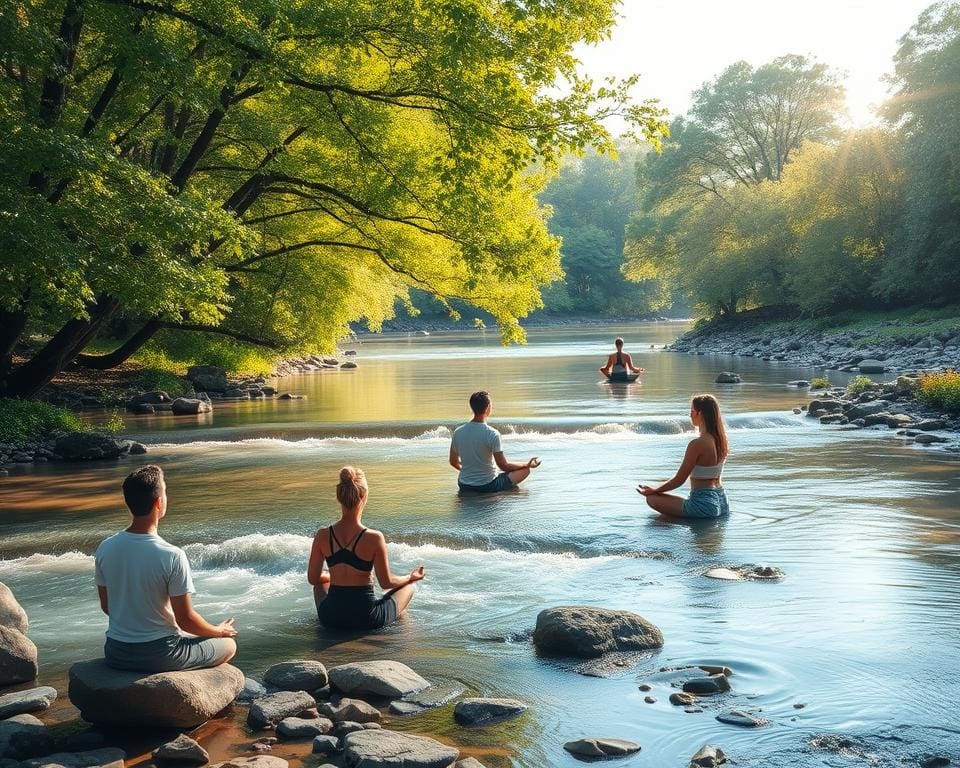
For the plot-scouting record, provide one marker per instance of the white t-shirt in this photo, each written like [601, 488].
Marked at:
[141, 572]
[476, 442]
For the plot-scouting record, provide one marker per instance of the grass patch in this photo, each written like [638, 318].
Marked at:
[860, 384]
[940, 391]
[820, 382]
[176, 351]
[28, 420]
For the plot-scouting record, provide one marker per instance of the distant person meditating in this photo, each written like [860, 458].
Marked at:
[619, 364]
[476, 452]
[344, 597]
[145, 586]
[702, 463]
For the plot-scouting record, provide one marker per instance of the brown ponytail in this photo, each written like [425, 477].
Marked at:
[352, 487]
[709, 410]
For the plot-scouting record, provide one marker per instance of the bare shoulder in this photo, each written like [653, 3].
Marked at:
[374, 535]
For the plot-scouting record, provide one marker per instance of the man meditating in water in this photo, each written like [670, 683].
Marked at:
[619, 363]
[476, 452]
[145, 586]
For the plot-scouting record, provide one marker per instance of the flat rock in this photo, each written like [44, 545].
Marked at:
[162, 700]
[18, 657]
[589, 632]
[434, 696]
[373, 749]
[326, 745]
[350, 709]
[740, 717]
[927, 439]
[189, 406]
[303, 727]
[22, 737]
[601, 747]
[108, 757]
[707, 685]
[271, 709]
[468, 762]
[258, 761]
[183, 750]
[377, 678]
[12, 615]
[483, 711]
[872, 366]
[708, 757]
[724, 574]
[728, 378]
[301, 675]
[32, 700]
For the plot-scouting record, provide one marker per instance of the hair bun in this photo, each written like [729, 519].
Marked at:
[348, 475]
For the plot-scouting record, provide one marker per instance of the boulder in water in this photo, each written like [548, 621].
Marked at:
[164, 699]
[376, 678]
[872, 366]
[18, 657]
[383, 749]
[271, 709]
[708, 757]
[300, 675]
[601, 747]
[485, 711]
[12, 614]
[209, 378]
[87, 446]
[742, 718]
[190, 406]
[350, 709]
[588, 632]
[728, 378]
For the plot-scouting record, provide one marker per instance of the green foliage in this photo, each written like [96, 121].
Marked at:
[23, 421]
[860, 384]
[940, 391]
[175, 351]
[113, 424]
[820, 382]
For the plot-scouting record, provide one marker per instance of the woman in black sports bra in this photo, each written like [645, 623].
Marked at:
[345, 598]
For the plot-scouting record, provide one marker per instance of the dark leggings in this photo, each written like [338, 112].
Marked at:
[356, 608]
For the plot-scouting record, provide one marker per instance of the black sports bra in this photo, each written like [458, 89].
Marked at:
[344, 556]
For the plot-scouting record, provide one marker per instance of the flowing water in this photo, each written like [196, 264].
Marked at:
[863, 630]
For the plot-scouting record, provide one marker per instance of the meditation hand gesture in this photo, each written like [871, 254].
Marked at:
[533, 463]
[417, 573]
[225, 629]
[646, 490]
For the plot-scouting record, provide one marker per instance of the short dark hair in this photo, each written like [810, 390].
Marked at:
[142, 488]
[479, 402]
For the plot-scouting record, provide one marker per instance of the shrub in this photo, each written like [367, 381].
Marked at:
[26, 420]
[114, 423]
[820, 382]
[860, 384]
[940, 391]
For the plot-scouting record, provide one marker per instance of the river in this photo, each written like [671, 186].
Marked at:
[863, 630]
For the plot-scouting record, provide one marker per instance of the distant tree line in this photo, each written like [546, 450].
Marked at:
[761, 198]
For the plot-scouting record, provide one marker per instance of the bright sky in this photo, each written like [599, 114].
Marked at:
[677, 45]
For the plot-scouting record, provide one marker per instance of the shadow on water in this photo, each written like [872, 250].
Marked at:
[707, 535]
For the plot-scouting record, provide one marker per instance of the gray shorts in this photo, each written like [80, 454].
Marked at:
[501, 482]
[168, 654]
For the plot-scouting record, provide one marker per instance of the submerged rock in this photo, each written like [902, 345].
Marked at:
[380, 749]
[434, 696]
[484, 711]
[587, 632]
[601, 747]
[164, 699]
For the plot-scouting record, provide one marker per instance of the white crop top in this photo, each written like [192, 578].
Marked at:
[701, 472]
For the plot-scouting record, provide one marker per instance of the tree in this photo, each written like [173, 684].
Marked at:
[272, 171]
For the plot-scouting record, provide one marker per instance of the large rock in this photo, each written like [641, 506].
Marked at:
[483, 711]
[182, 750]
[728, 378]
[12, 614]
[18, 657]
[87, 446]
[155, 397]
[872, 366]
[862, 410]
[594, 747]
[108, 757]
[22, 737]
[303, 727]
[379, 749]
[32, 700]
[587, 632]
[164, 699]
[210, 378]
[271, 709]
[377, 678]
[304, 675]
[190, 406]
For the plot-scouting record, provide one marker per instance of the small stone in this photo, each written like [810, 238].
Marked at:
[350, 709]
[601, 747]
[259, 761]
[271, 709]
[182, 749]
[326, 745]
[708, 757]
[682, 699]
[650, 699]
[693, 710]
[251, 690]
[646, 687]
[715, 669]
[740, 717]
[259, 746]
[799, 706]
[348, 726]
[707, 685]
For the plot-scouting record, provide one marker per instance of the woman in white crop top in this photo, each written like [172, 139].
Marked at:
[702, 463]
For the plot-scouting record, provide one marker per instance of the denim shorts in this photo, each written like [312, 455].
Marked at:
[168, 654]
[501, 482]
[706, 502]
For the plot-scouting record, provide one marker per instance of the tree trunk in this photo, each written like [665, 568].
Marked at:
[122, 353]
[11, 329]
[59, 352]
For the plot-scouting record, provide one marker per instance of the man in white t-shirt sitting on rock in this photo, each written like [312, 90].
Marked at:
[145, 587]
[476, 452]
